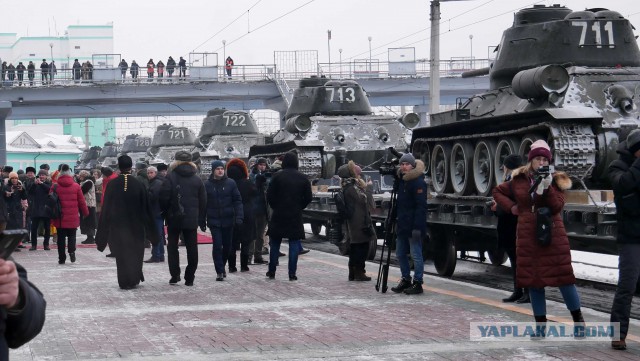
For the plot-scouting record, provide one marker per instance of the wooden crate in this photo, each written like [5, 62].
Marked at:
[606, 196]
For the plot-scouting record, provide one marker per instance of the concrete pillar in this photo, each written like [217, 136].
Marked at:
[423, 111]
[5, 111]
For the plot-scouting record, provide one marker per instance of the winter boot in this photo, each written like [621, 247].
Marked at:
[402, 285]
[219, 277]
[244, 263]
[541, 328]
[578, 324]
[415, 289]
[360, 275]
[351, 273]
[525, 297]
[516, 295]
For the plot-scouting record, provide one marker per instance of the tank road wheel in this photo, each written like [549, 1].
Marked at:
[483, 169]
[440, 168]
[421, 151]
[497, 256]
[316, 227]
[525, 144]
[444, 255]
[506, 147]
[461, 168]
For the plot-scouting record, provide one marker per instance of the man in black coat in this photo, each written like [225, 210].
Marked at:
[22, 308]
[126, 221]
[38, 195]
[288, 194]
[184, 198]
[624, 174]
[244, 233]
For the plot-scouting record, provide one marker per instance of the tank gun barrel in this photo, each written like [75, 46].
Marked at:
[476, 72]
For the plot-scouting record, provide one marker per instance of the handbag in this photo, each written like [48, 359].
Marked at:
[544, 224]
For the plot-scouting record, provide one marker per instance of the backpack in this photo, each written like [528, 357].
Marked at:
[344, 210]
[53, 208]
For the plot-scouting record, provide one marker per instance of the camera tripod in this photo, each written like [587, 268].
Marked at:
[389, 235]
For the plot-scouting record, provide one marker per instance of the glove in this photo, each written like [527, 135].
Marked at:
[544, 184]
[416, 235]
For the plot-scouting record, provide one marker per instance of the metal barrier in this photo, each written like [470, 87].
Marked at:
[359, 69]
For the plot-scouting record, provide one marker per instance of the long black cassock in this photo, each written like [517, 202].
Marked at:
[125, 222]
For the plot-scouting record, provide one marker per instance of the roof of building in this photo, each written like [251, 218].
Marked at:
[21, 141]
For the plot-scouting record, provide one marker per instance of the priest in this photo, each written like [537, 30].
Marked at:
[126, 221]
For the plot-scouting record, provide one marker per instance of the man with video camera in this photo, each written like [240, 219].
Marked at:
[411, 222]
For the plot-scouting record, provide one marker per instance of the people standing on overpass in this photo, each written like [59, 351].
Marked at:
[160, 67]
[20, 68]
[11, 72]
[150, 66]
[171, 65]
[31, 72]
[624, 174]
[182, 68]
[123, 68]
[539, 265]
[4, 70]
[411, 224]
[228, 65]
[77, 69]
[52, 70]
[134, 71]
[44, 71]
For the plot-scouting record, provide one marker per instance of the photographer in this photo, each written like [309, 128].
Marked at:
[539, 266]
[13, 196]
[39, 193]
[360, 231]
[411, 223]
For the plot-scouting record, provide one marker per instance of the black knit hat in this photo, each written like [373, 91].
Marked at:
[124, 162]
[30, 169]
[512, 161]
[633, 141]
[162, 167]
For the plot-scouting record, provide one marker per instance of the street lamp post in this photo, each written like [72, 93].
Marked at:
[224, 51]
[51, 46]
[340, 51]
[471, 43]
[370, 54]
[329, 49]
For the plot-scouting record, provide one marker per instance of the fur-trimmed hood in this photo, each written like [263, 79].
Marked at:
[176, 163]
[560, 179]
[348, 174]
[183, 168]
[416, 172]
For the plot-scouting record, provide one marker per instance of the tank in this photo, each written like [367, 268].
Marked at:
[167, 140]
[226, 134]
[569, 77]
[135, 146]
[330, 122]
[88, 159]
[109, 155]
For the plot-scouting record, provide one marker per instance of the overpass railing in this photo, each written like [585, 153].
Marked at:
[359, 69]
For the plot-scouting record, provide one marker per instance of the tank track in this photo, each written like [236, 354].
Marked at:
[574, 144]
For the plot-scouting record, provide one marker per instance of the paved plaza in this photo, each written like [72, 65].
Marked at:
[249, 317]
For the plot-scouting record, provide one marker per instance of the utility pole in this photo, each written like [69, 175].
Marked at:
[434, 60]
[86, 133]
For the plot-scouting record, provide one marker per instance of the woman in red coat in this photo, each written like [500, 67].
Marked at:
[72, 203]
[540, 266]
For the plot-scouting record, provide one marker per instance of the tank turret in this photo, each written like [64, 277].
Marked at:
[330, 122]
[135, 146]
[167, 140]
[226, 134]
[88, 159]
[109, 155]
[568, 77]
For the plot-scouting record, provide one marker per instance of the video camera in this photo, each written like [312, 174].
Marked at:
[545, 170]
[390, 167]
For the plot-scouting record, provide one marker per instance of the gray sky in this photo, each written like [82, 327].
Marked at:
[253, 29]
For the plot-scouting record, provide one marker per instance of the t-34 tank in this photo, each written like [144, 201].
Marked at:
[109, 155]
[569, 77]
[88, 159]
[226, 134]
[167, 140]
[330, 122]
[135, 146]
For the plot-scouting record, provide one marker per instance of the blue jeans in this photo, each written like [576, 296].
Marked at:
[403, 246]
[274, 253]
[539, 304]
[221, 246]
[157, 248]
